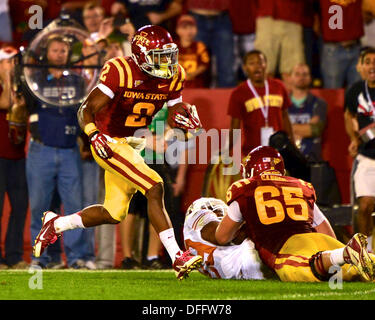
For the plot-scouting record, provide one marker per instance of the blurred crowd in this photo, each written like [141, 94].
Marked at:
[303, 43]
[217, 32]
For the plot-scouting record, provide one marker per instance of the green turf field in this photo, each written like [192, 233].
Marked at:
[162, 285]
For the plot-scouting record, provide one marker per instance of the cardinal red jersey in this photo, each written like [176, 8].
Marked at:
[245, 106]
[136, 96]
[274, 207]
[191, 58]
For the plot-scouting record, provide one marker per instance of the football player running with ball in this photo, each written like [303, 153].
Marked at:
[290, 233]
[130, 92]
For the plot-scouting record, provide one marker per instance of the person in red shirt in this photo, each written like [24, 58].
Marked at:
[193, 55]
[259, 103]
[243, 14]
[12, 164]
[341, 24]
[279, 34]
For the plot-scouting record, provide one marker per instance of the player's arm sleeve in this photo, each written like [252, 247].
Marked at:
[321, 223]
[227, 229]
[110, 77]
[234, 212]
[319, 217]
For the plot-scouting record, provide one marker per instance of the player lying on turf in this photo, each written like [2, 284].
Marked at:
[130, 92]
[239, 260]
[285, 224]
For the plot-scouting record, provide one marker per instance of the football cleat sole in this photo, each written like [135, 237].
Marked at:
[193, 264]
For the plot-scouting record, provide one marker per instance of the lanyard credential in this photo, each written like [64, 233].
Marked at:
[264, 107]
[369, 100]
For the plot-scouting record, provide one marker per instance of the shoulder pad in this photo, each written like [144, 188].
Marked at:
[237, 189]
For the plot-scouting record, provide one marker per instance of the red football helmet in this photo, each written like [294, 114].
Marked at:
[260, 159]
[155, 52]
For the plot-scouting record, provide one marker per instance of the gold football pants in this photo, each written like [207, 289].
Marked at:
[125, 173]
[292, 261]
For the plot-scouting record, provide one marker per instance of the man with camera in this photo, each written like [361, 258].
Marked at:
[53, 161]
[13, 120]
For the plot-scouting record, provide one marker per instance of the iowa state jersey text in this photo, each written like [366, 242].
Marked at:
[136, 96]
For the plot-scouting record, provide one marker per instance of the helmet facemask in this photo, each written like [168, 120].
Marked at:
[161, 63]
[217, 206]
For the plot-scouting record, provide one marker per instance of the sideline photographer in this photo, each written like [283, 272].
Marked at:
[53, 159]
[13, 118]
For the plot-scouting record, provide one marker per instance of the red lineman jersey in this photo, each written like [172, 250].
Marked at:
[245, 106]
[275, 208]
[136, 96]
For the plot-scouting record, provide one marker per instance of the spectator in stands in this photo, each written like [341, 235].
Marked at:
[13, 119]
[53, 159]
[193, 55]
[279, 34]
[93, 15]
[260, 103]
[368, 9]
[359, 124]
[307, 114]
[311, 40]
[5, 22]
[341, 42]
[105, 30]
[243, 13]
[215, 31]
[144, 12]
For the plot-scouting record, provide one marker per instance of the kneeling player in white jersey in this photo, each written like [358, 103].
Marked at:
[236, 261]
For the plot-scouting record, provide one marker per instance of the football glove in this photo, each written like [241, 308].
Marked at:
[189, 121]
[100, 144]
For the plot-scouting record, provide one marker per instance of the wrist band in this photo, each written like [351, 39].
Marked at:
[90, 128]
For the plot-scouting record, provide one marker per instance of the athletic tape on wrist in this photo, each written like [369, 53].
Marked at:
[90, 128]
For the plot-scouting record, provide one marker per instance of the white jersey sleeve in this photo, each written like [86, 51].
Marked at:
[234, 212]
[319, 217]
[226, 262]
[201, 218]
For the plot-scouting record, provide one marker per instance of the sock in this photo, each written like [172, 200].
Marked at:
[369, 243]
[149, 258]
[169, 241]
[72, 221]
[337, 257]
